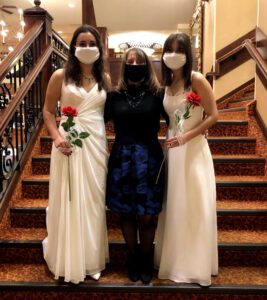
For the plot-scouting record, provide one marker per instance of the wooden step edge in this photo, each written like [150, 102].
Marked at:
[219, 183]
[113, 243]
[218, 159]
[134, 288]
[241, 99]
[234, 109]
[220, 212]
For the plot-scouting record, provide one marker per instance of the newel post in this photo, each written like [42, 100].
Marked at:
[32, 16]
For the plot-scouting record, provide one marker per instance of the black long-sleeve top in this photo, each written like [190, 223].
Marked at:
[139, 123]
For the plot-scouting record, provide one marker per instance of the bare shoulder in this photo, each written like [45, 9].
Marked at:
[199, 81]
[58, 74]
[198, 78]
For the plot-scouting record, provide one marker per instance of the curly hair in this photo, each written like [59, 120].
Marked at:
[151, 81]
[72, 68]
[184, 46]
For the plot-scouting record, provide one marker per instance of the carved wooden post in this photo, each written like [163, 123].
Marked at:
[38, 14]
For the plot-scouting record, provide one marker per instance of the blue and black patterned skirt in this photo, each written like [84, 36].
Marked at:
[132, 174]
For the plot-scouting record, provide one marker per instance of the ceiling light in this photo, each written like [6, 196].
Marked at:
[71, 5]
[60, 32]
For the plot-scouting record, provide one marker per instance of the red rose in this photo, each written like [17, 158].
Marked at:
[193, 98]
[69, 111]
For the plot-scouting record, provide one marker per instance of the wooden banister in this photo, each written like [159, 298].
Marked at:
[254, 53]
[59, 38]
[6, 115]
[231, 56]
[22, 47]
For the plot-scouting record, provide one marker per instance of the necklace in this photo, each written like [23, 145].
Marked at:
[89, 78]
[134, 101]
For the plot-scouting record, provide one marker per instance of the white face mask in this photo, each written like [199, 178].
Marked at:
[174, 60]
[87, 55]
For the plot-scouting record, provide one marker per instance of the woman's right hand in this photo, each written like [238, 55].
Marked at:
[62, 146]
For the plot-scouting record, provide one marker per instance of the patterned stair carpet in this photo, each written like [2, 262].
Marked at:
[239, 152]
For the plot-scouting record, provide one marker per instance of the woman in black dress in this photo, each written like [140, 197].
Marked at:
[135, 108]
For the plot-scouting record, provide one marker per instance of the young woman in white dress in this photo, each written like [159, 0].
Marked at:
[186, 240]
[77, 243]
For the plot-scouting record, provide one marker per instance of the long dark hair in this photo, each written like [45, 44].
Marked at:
[184, 46]
[72, 68]
[151, 81]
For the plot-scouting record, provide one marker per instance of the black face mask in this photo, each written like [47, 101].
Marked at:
[135, 73]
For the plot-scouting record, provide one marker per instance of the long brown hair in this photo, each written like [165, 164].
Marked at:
[184, 44]
[72, 68]
[151, 82]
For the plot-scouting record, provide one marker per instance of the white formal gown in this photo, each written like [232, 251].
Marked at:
[77, 243]
[186, 238]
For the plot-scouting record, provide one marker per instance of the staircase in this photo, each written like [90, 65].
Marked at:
[239, 152]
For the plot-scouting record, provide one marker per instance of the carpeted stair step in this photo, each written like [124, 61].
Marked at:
[114, 234]
[240, 102]
[218, 145]
[34, 281]
[233, 114]
[232, 189]
[241, 188]
[240, 254]
[231, 166]
[232, 145]
[228, 219]
[229, 128]
[223, 165]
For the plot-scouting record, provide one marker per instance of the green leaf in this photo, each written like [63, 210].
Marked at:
[84, 135]
[75, 132]
[65, 126]
[78, 143]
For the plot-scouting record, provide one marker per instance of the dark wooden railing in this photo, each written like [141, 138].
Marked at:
[231, 57]
[24, 75]
[258, 52]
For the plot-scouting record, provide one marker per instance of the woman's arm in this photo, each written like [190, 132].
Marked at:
[202, 87]
[53, 94]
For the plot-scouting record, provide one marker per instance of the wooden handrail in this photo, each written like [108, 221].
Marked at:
[7, 114]
[231, 53]
[22, 47]
[254, 53]
[58, 37]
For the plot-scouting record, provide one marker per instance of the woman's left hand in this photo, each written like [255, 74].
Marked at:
[175, 141]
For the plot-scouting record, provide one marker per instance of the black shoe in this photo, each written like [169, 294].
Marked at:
[146, 270]
[146, 277]
[133, 268]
